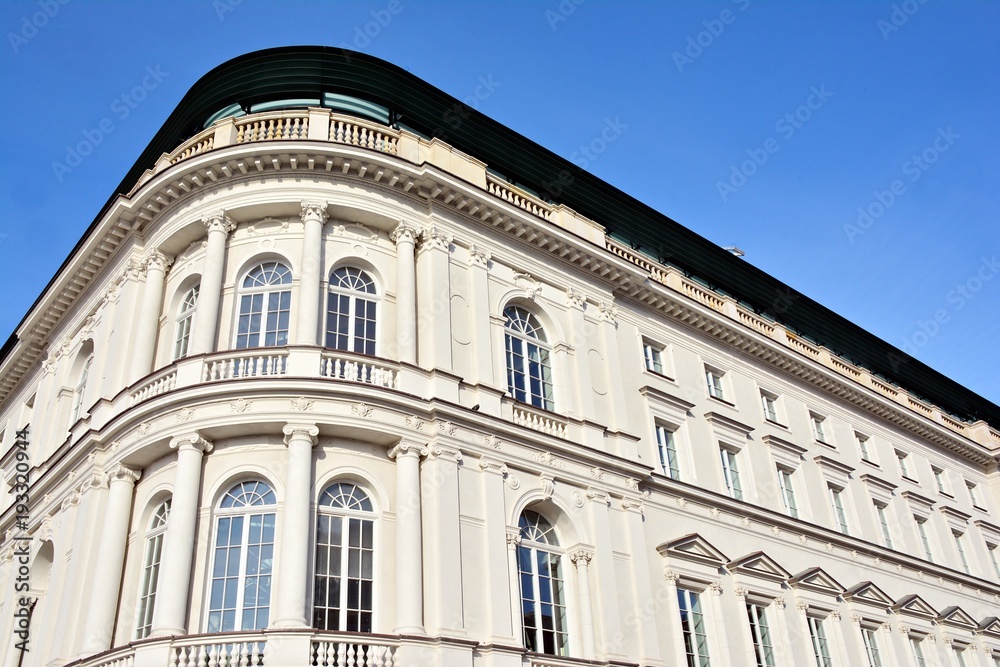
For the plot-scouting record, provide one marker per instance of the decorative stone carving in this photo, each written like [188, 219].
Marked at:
[532, 287]
[193, 440]
[155, 259]
[120, 473]
[218, 221]
[575, 299]
[437, 239]
[142, 429]
[548, 485]
[581, 556]
[241, 405]
[414, 422]
[404, 233]
[715, 512]
[740, 592]
[300, 431]
[577, 498]
[802, 606]
[715, 587]
[513, 538]
[549, 459]
[597, 495]
[856, 619]
[632, 483]
[302, 404]
[440, 451]
[491, 441]
[479, 256]
[672, 577]
[596, 473]
[313, 211]
[608, 313]
[446, 428]
[407, 448]
[776, 531]
[780, 602]
[745, 520]
[681, 503]
[835, 615]
[513, 481]
[489, 465]
[632, 504]
[362, 409]
[184, 415]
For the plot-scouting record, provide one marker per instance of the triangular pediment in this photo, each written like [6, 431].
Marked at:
[759, 564]
[693, 547]
[990, 626]
[956, 616]
[868, 593]
[818, 580]
[915, 606]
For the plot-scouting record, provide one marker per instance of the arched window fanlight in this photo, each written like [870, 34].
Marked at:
[543, 594]
[345, 552]
[351, 311]
[265, 305]
[529, 370]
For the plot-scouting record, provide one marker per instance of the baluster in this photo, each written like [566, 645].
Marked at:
[213, 655]
[202, 656]
[175, 660]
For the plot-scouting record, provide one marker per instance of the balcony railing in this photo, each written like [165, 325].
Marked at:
[356, 368]
[249, 363]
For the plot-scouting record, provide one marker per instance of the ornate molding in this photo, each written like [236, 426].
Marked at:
[672, 577]
[441, 451]
[407, 448]
[120, 473]
[715, 587]
[513, 537]
[489, 465]
[192, 440]
[313, 211]
[241, 405]
[548, 485]
[479, 256]
[218, 222]
[581, 556]
[436, 238]
[184, 415]
[293, 431]
[155, 259]
[404, 233]
[632, 505]
[362, 409]
[598, 495]
[575, 299]
[302, 404]
[608, 312]
[740, 592]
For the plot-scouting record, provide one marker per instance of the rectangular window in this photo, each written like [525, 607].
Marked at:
[918, 652]
[770, 404]
[837, 502]
[821, 648]
[992, 550]
[939, 479]
[863, 448]
[961, 551]
[973, 494]
[693, 628]
[147, 593]
[924, 541]
[653, 356]
[731, 473]
[818, 424]
[763, 645]
[871, 647]
[667, 446]
[904, 468]
[883, 521]
[960, 655]
[713, 376]
[787, 492]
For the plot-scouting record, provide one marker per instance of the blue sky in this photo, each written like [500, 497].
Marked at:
[850, 148]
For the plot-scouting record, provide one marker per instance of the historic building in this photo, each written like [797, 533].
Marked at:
[345, 373]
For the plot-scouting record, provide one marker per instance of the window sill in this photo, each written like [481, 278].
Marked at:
[981, 509]
[871, 463]
[776, 423]
[827, 444]
[910, 480]
[947, 495]
[662, 376]
[722, 400]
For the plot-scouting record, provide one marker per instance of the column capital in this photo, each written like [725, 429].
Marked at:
[313, 210]
[218, 222]
[581, 556]
[294, 431]
[441, 451]
[120, 473]
[672, 577]
[190, 441]
[436, 238]
[479, 256]
[406, 448]
[155, 259]
[513, 537]
[404, 233]
[490, 465]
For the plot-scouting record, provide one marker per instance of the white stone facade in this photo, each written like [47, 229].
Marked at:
[777, 448]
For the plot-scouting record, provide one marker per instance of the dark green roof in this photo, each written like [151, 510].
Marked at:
[309, 71]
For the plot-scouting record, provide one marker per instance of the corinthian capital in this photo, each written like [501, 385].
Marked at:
[313, 210]
[155, 259]
[218, 222]
[404, 233]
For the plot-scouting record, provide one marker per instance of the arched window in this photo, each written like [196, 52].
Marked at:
[543, 595]
[240, 592]
[151, 569]
[81, 388]
[345, 528]
[185, 320]
[529, 372]
[351, 311]
[265, 303]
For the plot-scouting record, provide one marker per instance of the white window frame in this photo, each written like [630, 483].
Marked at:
[666, 447]
[960, 548]
[355, 299]
[769, 405]
[184, 322]
[266, 510]
[714, 382]
[904, 467]
[992, 550]
[883, 520]
[819, 642]
[974, 494]
[836, 494]
[280, 289]
[786, 484]
[864, 447]
[925, 541]
[351, 504]
[529, 548]
[151, 569]
[939, 480]
[528, 342]
[652, 356]
[917, 651]
[693, 624]
[870, 641]
[818, 423]
[761, 634]
[731, 472]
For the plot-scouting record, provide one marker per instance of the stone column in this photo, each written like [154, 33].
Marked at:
[309, 298]
[405, 238]
[513, 575]
[434, 298]
[292, 581]
[206, 318]
[581, 558]
[170, 611]
[499, 601]
[439, 479]
[649, 647]
[482, 340]
[409, 561]
[103, 603]
[144, 351]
